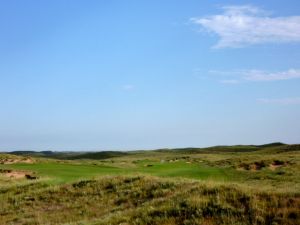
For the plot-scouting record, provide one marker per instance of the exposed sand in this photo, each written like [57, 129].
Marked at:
[274, 167]
[12, 161]
[17, 174]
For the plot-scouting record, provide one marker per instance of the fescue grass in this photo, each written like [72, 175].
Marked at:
[146, 200]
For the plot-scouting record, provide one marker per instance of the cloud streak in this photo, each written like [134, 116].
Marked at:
[258, 75]
[239, 76]
[280, 101]
[239, 26]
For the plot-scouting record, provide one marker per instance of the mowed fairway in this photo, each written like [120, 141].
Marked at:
[63, 173]
[68, 172]
[183, 169]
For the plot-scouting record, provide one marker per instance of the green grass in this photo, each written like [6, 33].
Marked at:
[182, 169]
[67, 172]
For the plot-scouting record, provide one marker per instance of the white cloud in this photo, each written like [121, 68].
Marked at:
[280, 101]
[239, 26]
[238, 76]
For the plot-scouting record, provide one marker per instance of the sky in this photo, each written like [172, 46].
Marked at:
[122, 75]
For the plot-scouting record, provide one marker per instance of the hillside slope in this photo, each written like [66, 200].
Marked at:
[146, 200]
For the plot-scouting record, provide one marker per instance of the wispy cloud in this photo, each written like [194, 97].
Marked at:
[239, 26]
[127, 87]
[232, 81]
[258, 75]
[280, 101]
[238, 76]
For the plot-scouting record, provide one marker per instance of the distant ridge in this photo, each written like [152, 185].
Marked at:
[71, 155]
[276, 147]
[226, 148]
[275, 144]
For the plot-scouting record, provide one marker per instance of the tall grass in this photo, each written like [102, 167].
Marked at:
[146, 200]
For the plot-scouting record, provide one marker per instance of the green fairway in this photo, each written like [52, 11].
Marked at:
[61, 173]
[182, 169]
[67, 172]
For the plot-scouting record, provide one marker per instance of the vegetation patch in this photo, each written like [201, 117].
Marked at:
[9, 159]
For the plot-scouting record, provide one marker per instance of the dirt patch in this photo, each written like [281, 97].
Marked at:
[15, 174]
[274, 167]
[252, 166]
[277, 164]
[18, 174]
[259, 165]
[148, 165]
[28, 160]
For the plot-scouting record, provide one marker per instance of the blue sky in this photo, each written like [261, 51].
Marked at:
[99, 75]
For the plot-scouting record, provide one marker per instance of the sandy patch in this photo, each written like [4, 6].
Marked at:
[277, 164]
[252, 166]
[273, 167]
[17, 174]
[13, 161]
[28, 160]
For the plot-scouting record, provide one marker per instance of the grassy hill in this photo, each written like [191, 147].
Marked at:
[217, 185]
[146, 200]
